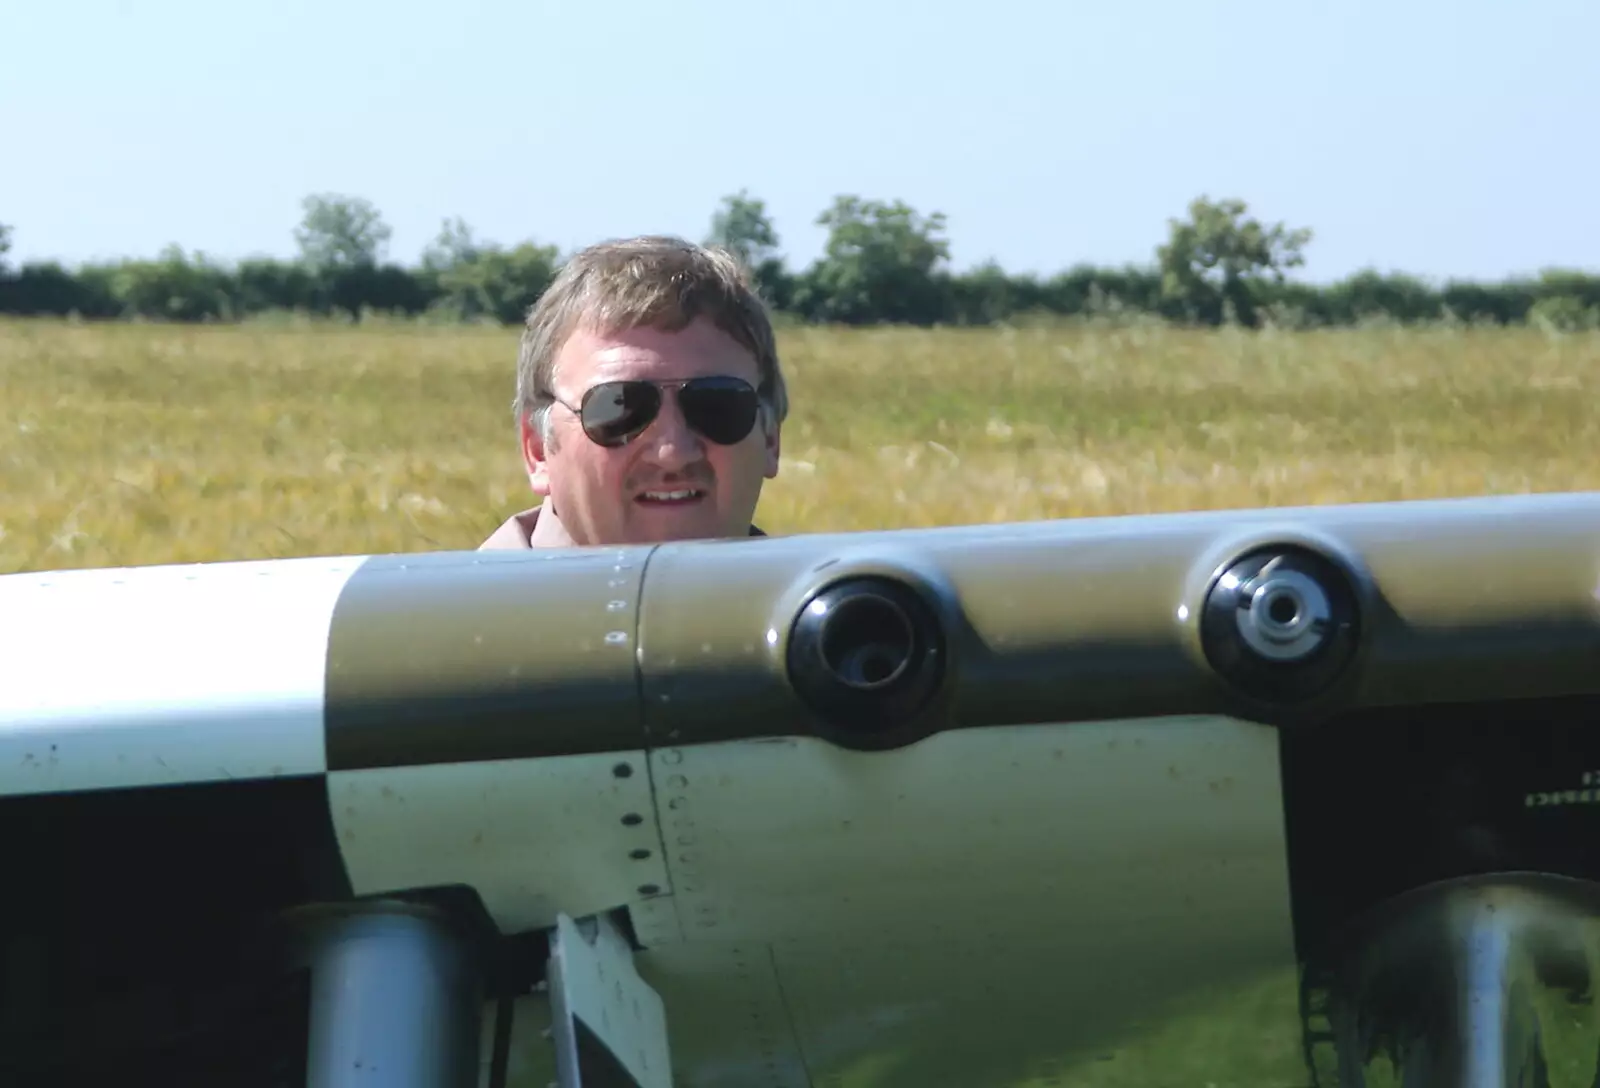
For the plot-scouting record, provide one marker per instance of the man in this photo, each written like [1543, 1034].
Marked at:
[649, 399]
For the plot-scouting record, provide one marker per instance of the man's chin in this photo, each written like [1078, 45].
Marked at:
[696, 520]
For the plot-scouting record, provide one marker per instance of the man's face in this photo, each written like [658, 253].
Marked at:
[613, 495]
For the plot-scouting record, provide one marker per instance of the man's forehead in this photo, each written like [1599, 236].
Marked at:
[591, 356]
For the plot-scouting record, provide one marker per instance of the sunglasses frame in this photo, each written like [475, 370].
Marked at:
[677, 385]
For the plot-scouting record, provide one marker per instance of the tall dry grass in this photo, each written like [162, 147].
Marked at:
[131, 444]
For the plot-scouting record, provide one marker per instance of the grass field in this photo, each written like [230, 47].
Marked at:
[147, 444]
[135, 444]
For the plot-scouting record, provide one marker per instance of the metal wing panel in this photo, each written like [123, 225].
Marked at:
[484, 729]
[534, 837]
[153, 676]
[952, 899]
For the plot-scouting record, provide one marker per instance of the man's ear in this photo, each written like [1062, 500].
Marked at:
[773, 445]
[535, 458]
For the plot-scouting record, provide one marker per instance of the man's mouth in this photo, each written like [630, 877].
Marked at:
[678, 496]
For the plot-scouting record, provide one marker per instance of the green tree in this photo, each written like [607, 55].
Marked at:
[474, 280]
[338, 233]
[453, 246]
[1219, 264]
[5, 244]
[882, 263]
[741, 225]
[175, 286]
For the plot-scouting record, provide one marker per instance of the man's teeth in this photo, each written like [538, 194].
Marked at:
[671, 496]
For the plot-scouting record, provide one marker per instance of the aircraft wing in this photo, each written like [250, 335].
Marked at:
[1256, 797]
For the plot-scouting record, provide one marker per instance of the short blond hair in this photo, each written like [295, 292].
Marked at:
[653, 281]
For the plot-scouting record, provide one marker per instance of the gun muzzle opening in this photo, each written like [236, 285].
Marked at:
[866, 653]
[867, 641]
[1285, 617]
[1281, 623]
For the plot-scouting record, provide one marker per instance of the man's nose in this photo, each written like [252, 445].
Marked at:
[670, 442]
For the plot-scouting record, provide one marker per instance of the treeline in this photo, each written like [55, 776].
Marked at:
[883, 263]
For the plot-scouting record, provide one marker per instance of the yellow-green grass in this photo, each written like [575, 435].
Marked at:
[134, 444]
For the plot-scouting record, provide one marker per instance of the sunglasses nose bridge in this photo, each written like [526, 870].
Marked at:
[669, 434]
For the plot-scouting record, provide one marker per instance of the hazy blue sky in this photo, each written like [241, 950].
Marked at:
[1441, 137]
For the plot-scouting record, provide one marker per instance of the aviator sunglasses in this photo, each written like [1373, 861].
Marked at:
[720, 409]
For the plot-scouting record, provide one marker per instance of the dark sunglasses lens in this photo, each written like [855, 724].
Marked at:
[722, 409]
[614, 412]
